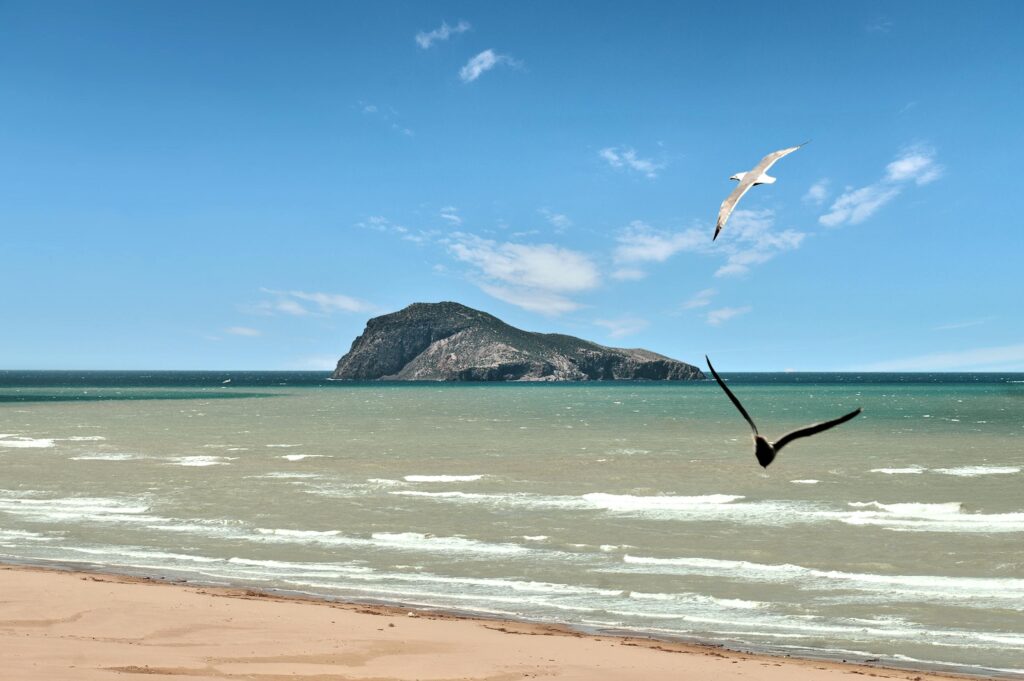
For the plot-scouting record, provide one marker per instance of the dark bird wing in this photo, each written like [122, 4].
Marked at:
[730, 202]
[812, 430]
[732, 397]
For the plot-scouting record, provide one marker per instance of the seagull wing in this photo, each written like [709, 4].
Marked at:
[812, 430]
[730, 201]
[732, 397]
[768, 161]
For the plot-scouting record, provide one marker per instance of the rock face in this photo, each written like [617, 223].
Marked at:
[452, 342]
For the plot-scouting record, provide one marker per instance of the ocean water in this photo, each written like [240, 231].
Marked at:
[614, 506]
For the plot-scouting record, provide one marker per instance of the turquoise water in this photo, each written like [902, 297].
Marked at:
[634, 506]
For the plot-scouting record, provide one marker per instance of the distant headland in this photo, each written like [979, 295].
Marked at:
[451, 342]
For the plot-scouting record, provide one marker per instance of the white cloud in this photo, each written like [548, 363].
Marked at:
[482, 63]
[723, 314]
[817, 193]
[427, 38]
[533, 300]
[536, 277]
[628, 274]
[751, 241]
[857, 205]
[451, 214]
[379, 223]
[541, 266]
[557, 220]
[292, 303]
[625, 326]
[243, 331]
[386, 114]
[1000, 358]
[626, 157]
[700, 299]
[642, 243]
[915, 164]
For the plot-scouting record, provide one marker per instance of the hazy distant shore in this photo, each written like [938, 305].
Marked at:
[60, 620]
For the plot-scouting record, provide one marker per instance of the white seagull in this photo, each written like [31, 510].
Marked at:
[759, 175]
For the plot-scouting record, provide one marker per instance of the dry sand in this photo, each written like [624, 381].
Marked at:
[72, 625]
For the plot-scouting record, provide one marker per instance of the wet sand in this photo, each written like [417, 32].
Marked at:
[57, 624]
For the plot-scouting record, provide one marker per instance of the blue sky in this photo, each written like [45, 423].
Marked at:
[242, 184]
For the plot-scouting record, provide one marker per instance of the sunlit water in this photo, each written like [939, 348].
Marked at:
[899, 535]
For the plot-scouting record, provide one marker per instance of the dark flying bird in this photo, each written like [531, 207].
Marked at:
[767, 451]
[759, 175]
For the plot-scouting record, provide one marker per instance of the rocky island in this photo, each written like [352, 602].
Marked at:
[451, 342]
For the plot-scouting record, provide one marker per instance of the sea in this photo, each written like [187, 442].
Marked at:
[625, 507]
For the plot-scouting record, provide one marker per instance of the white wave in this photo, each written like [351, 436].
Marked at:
[300, 457]
[304, 567]
[202, 460]
[975, 471]
[103, 457]
[895, 587]
[910, 470]
[805, 482]
[942, 517]
[27, 442]
[443, 495]
[387, 482]
[22, 535]
[120, 552]
[299, 534]
[442, 478]
[77, 509]
[431, 543]
[285, 475]
[283, 445]
[82, 438]
[631, 503]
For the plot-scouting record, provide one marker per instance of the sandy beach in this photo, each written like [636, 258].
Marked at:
[57, 624]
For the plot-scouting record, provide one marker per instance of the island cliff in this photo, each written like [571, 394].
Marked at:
[452, 342]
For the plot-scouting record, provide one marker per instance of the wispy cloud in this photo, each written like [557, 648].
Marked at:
[915, 164]
[724, 314]
[879, 25]
[243, 331]
[623, 326]
[387, 115]
[640, 243]
[482, 63]
[379, 223]
[628, 274]
[303, 303]
[557, 220]
[532, 300]
[751, 241]
[701, 298]
[627, 158]
[451, 214]
[999, 358]
[817, 193]
[427, 38]
[536, 277]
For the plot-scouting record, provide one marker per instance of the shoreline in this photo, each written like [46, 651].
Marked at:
[634, 654]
